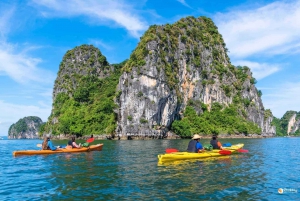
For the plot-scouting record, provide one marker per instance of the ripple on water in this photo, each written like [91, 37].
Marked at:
[128, 170]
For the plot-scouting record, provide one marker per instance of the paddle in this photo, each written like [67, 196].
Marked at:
[171, 150]
[90, 140]
[224, 152]
[243, 150]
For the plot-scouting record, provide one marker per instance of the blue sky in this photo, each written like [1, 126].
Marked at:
[35, 34]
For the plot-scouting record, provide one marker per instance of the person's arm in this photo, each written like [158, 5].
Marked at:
[53, 148]
[220, 145]
[199, 147]
[75, 145]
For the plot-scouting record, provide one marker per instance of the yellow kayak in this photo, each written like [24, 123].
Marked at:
[234, 148]
[97, 147]
[187, 155]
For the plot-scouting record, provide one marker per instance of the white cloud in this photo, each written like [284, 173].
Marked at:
[259, 70]
[274, 28]
[100, 43]
[21, 67]
[119, 12]
[4, 21]
[11, 113]
[15, 60]
[282, 96]
[183, 3]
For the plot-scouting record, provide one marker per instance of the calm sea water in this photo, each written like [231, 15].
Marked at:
[128, 170]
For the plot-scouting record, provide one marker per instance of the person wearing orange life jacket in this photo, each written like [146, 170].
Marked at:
[215, 143]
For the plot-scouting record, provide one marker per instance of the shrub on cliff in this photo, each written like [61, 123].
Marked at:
[217, 121]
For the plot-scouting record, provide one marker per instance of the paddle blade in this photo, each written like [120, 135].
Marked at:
[171, 150]
[224, 152]
[39, 145]
[243, 150]
[90, 140]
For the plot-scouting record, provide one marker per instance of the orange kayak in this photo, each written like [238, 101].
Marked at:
[97, 147]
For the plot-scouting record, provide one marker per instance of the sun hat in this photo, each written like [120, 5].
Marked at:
[196, 136]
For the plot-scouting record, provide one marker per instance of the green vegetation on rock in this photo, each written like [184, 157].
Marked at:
[85, 89]
[88, 106]
[279, 130]
[90, 110]
[218, 121]
[197, 34]
[282, 124]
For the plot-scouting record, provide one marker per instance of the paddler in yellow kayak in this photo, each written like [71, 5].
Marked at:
[194, 145]
[215, 143]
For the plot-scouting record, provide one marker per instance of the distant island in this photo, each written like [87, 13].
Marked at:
[25, 128]
[288, 125]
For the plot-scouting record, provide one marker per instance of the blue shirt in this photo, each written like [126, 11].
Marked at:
[51, 146]
[198, 146]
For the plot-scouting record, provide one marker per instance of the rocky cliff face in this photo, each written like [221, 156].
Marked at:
[293, 122]
[177, 63]
[267, 127]
[295, 127]
[288, 124]
[25, 128]
[85, 60]
[83, 94]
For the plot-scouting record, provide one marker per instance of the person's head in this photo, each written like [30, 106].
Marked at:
[214, 137]
[73, 139]
[196, 137]
[92, 136]
[48, 136]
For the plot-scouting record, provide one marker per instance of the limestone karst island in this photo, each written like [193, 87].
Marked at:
[178, 81]
[137, 100]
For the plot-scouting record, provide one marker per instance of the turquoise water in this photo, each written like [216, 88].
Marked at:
[128, 170]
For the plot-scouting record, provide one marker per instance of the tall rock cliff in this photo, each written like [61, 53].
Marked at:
[83, 94]
[179, 63]
[268, 127]
[25, 128]
[82, 61]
